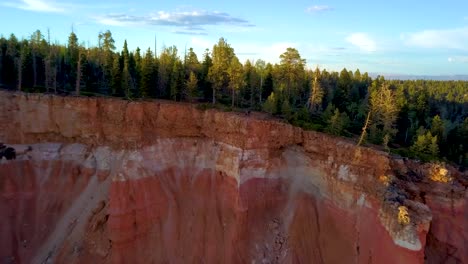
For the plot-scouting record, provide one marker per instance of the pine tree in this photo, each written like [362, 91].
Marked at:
[126, 78]
[73, 57]
[316, 93]
[51, 63]
[286, 108]
[271, 104]
[147, 75]
[438, 127]
[218, 72]
[236, 78]
[108, 61]
[426, 146]
[260, 67]
[251, 84]
[80, 70]
[167, 68]
[191, 62]
[337, 123]
[383, 112]
[433, 148]
[116, 77]
[127, 82]
[177, 80]
[192, 85]
[291, 73]
[36, 39]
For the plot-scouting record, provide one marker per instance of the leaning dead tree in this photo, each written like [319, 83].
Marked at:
[364, 129]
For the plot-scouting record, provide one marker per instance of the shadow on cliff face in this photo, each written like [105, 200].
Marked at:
[8, 152]
[45, 200]
[437, 251]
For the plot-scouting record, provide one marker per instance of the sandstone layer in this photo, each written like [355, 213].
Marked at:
[113, 181]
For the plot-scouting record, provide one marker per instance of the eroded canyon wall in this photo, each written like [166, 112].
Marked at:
[114, 181]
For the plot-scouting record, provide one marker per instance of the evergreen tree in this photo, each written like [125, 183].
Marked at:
[116, 77]
[35, 44]
[271, 104]
[168, 73]
[108, 60]
[204, 83]
[177, 82]
[260, 67]
[286, 109]
[218, 72]
[252, 84]
[191, 62]
[337, 123]
[290, 73]
[192, 85]
[126, 78]
[383, 114]
[236, 78]
[426, 147]
[148, 79]
[267, 87]
[438, 127]
[316, 93]
[73, 58]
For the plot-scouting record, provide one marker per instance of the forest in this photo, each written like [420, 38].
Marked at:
[422, 119]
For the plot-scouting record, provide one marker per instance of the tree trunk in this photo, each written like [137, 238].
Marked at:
[34, 69]
[1, 66]
[78, 75]
[214, 95]
[19, 66]
[364, 128]
[232, 100]
[251, 96]
[261, 88]
[48, 74]
[55, 78]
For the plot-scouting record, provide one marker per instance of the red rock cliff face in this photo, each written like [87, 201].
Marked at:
[110, 181]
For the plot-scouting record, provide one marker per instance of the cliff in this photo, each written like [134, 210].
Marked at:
[115, 181]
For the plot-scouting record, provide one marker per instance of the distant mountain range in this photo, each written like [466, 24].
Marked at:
[420, 77]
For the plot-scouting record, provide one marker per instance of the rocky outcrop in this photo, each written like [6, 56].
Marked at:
[114, 181]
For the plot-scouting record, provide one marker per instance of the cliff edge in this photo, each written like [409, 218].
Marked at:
[114, 181]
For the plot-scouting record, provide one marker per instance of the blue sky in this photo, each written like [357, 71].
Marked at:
[390, 37]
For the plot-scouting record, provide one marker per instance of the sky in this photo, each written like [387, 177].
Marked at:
[413, 37]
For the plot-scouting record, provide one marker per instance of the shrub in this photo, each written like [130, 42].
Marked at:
[403, 215]
[439, 173]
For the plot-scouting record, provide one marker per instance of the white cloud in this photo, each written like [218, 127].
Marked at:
[363, 41]
[51, 6]
[201, 43]
[443, 39]
[318, 8]
[37, 6]
[462, 59]
[116, 20]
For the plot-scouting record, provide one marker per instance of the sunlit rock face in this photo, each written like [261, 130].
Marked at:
[109, 181]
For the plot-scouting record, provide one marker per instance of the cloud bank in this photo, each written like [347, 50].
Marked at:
[191, 22]
[456, 38]
[462, 59]
[362, 41]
